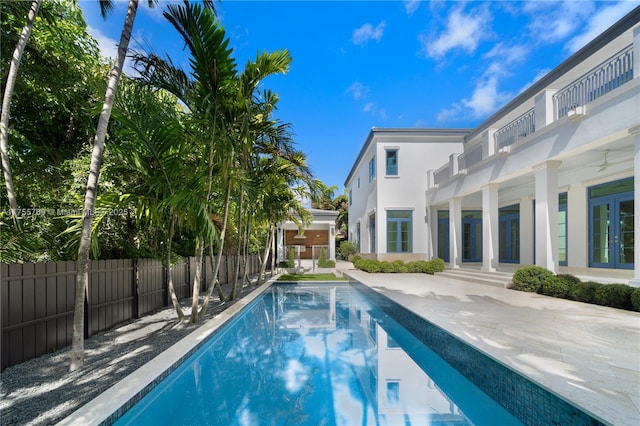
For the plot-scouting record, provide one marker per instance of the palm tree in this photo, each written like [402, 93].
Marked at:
[221, 105]
[82, 265]
[6, 105]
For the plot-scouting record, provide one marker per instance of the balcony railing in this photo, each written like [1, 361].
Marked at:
[607, 76]
[519, 128]
[470, 157]
[443, 174]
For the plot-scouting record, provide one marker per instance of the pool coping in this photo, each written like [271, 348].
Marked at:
[111, 404]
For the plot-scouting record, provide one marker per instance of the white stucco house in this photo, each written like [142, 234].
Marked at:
[308, 242]
[550, 179]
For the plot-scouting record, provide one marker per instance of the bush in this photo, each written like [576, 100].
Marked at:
[556, 286]
[635, 299]
[291, 260]
[570, 279]
[437, 264]
[387, 267]
[347, 249]
[355, 258]
[397, 265]
[323, 262]
[369, 265]
[614, 295]
[584, 291]
[530, 278]
[403, 270]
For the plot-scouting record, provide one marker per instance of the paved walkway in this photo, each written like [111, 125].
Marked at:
[585, 353]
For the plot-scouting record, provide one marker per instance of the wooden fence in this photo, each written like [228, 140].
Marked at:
[37, 299]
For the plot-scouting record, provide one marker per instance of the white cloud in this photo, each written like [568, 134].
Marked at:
[368, 107]
[358, 90]
[367, 32]
[463, 31]
[553, 21]
[410, 6]
[487, 97]
[108, 46]
[599, 22]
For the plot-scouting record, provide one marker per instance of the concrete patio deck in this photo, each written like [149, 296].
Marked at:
[587, 354]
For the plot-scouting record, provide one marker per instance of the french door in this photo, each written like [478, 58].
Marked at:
[611, 231]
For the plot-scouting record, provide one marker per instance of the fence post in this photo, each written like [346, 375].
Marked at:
[135, 289]
[87, 301]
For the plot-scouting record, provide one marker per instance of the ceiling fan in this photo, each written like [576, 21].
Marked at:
[602, 166]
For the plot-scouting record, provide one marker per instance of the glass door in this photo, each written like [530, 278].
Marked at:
[472, 236]
[443, 235]
[509, 237]
[612, 231]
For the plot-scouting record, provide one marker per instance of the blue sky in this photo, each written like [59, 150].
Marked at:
[359, 64]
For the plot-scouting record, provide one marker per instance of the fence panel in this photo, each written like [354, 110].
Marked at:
[152, 292]
[111, 294]
[37, 299]
[37, 309]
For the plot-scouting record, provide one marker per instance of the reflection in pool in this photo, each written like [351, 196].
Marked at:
[315, 354]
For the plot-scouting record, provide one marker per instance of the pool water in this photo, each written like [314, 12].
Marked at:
[315, 355]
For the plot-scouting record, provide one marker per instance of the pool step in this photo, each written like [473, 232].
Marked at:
[495, 279]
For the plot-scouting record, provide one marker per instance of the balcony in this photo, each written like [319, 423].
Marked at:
[443, 174]
[470, 157]
[518, 129]
[609, 75]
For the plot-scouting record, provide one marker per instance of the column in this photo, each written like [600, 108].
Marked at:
[280, 244]
[332, 242]
[526, 231]
[546, 215]
[544, 108]
[428, 217]
[578, 221]
[636, 196]
[490, 227]
[455, 232]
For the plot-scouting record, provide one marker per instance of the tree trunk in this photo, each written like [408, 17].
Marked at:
[6, 106]
[215, 281]
[172, 291]
[236, 273]
[82, 268]
[196, 283]
[225, 218]
[273, 250]
[265, 260]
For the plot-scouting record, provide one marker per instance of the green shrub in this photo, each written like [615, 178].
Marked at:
[614, 295]
[403, 270]
[556, 286]
[570, 279]
[437, 264]
[283, 264]
[635, 299]
[386, 267]
[584, 291]
[422, 266]
[291, 260]
[369, 265]
[347, 249]
[355, 258]
[323, 262]
[398, 265]
[530, 278]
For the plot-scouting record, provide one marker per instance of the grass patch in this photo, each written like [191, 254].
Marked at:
[310, 277]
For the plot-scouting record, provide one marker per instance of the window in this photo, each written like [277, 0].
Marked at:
[350, 197]
[392, 162]
[399, 231]
[358, 237]
[358, 182]
[372, 169]
[372, 233]
[393, 394]
[562, 229]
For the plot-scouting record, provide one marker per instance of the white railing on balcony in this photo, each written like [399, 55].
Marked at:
[470, 157]
[518, 129]
[443, 174]
[607, 76]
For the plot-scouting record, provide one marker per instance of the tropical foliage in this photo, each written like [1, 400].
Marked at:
[192, 161]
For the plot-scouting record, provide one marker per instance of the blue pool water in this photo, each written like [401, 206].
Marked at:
[316, 355]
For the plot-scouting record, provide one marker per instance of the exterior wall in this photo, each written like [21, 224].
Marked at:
[404, 191]
[312, 238]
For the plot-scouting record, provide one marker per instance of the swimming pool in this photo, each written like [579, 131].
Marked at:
[334, 354]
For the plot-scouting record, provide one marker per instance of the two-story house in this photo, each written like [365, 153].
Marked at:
[549, 179]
